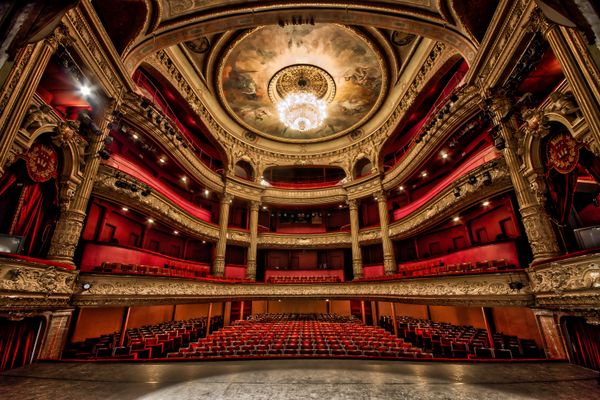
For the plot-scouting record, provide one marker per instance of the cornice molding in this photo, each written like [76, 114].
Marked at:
[473, 290]
[30, 286]
[570, 284]
[445, 204]
[154, 204]
[274, 240]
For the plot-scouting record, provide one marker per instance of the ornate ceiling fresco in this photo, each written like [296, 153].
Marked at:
[265, 64]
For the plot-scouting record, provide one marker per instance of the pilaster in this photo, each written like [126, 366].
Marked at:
[389, 261]
[357, 265]
[219, 262]
[251, 268]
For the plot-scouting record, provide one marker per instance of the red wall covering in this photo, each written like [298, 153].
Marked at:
[304, 259]
[94, 254]
[320, 272]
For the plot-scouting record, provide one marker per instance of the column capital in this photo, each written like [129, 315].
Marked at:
[380, 196]
[226, 198]
[254, 205]
[352, 204]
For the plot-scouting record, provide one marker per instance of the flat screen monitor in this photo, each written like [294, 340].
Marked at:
[10, 244]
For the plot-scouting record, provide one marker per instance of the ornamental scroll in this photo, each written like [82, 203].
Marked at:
[41, 162]
[562, 153]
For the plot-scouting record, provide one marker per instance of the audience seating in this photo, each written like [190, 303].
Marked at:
[303, 279]
[459, 341]
[147, 342]
[437, 268]
[300, 335]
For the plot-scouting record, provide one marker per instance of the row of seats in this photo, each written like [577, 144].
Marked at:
[147, 342]
[460, 341]
[281, 317]
[181, 271]
[307, 336]
[303, 279]
[438, 268]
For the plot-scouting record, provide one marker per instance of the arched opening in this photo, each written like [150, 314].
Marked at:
[244, 170]
[362, 167]
[29, 198]
[573, 179]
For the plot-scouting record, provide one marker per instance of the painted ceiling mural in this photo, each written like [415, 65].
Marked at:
[347, 57]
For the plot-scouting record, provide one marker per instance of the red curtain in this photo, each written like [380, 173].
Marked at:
[562, 191]
[591, 163]
[30, 218]
[17, 339]
[7, 180]
[585, 342]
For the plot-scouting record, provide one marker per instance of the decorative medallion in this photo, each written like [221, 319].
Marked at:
[563, 153]
[41, 162]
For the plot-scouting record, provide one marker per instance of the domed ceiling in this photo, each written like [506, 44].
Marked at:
[336, 63]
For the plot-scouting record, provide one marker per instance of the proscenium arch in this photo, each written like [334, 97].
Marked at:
[242, 17]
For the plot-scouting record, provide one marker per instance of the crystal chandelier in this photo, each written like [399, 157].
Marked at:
[302, 111]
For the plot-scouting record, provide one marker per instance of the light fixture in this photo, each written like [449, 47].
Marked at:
[184, 179]
[424, 174]
[162, 160]
[135, 136]
[487, 178]
[264, 207]
[125, 209]
[401, 188]
[175, 232]
[444, 155]
[485, 203]
[456, 219]
[86, 286]
[302, 111]
[85, 90]
[204, 242]
[150, 221]
[206, 192]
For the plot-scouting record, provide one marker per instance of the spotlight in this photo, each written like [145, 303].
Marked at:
[472, 179]
[454, 98]
[146, 192]
[104, 154]
[108, 141]
[121, 184]
[487, 178]
[133, 187]
[85, 90]
[500, 143]
[145, 103]
[596, 202]
[456, 192]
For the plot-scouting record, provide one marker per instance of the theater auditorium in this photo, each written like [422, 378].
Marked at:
[391, 199]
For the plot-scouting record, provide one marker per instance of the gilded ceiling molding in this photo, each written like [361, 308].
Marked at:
[500, 45]
[27, 285]
[472, 290]
[154, 204]
[242, 16]
[274, 240]
[569, 284]
[264, 157]
[93, 45]
[445, 204]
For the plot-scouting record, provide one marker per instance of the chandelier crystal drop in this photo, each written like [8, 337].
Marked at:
[302, 111]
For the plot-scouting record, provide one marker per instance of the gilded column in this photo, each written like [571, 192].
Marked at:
[579, 68]
[219, 263]
[251, 268]
[20, 86]
[70, 224]
[389, 261]
[357, 266]
[536, 220]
